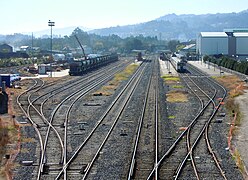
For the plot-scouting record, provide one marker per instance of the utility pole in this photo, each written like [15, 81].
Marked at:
[32, 50]
[51, 24]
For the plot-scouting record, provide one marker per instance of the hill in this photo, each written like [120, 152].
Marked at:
[182, 27]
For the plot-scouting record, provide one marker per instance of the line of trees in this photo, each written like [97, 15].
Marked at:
[96, 42]
[230, 63]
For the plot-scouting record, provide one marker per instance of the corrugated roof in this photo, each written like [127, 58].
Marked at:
[189, 46]
[240, 34]
[237, 30]
[213, 34]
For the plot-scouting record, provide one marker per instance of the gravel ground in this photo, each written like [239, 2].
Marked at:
[113, 163]
[241, 139]
[219, 143]
[28, 147]
[28, 153]
[93, 106]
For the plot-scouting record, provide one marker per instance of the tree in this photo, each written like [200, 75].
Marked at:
[172, 45]
[132, 44]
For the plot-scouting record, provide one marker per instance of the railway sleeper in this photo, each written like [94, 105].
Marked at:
[218, 121]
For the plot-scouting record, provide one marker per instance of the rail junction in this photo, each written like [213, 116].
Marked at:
[132, 133]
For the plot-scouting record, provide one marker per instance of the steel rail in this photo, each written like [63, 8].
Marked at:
[172, 147]
[101, 80]
[188, 133]
[204, 129]
[133, 159]
[126, 101]
[29, 118]
[91, 84]
[96, 126]
[54, 92]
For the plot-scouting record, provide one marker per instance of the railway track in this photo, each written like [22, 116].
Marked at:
[173, 163]
[111, 144]
[146, 146]
[98, 135]
[60, 116]
[216, 170]
[34, 112]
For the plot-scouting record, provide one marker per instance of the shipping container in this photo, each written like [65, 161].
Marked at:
[9, 79]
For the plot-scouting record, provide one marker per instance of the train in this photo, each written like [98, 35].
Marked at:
[139, 56]
[79, 67]
[178, 62]
[162, 56]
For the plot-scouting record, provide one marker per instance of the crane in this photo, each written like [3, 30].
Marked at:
[85, 57]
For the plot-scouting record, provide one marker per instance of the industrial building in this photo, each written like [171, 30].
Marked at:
[5, 48]
[231, 42]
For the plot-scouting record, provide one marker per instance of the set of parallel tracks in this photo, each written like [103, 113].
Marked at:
[146, 162]
[96, 139]
[43, 125]
[146, 146]
[173, 164]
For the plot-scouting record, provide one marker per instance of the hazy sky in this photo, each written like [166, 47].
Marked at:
[19, 16]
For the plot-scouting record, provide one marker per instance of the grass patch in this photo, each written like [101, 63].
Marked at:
[4, 139]
[177, 96]
[27, 140]
[171, 117]
[233, 84]
[8, 135]
[118, 78]
[239, 161]
[177, 86]
[124, 75]
[170, 78]
[234, 107]
[235, 88]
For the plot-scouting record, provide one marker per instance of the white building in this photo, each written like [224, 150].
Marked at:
[231, 42]
[59, 57]
[241, 44]
[42, 69]
[210, 43]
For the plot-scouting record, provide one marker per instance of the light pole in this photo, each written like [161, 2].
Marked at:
[51, 24]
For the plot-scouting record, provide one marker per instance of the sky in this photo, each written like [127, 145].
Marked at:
[19, 16]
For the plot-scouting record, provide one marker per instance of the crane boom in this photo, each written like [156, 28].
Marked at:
[80, 46]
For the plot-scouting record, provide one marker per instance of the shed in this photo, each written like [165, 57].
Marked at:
[241, 44]
[7, 78]
[42, 69]
[211, 43]
[25, 48]
[5, 48]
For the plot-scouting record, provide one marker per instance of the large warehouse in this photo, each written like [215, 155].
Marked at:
[231, 42]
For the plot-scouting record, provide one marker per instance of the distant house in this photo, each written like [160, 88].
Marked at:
[59, 57]
[5, 48]
[189, 49]
[66, 49]
[24, 48]
[36, 49]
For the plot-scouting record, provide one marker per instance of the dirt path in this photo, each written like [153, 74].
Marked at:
[241, 139]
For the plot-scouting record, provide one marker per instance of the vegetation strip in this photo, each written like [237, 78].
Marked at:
[119, 77]
[236, 88]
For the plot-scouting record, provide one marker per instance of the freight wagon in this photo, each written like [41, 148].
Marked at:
[85, 65]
